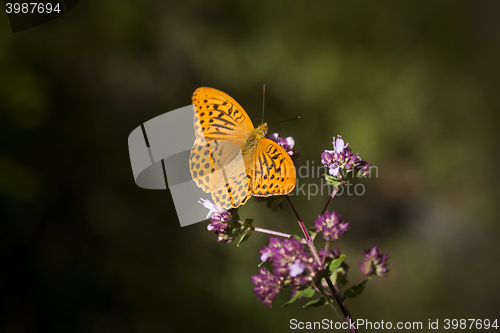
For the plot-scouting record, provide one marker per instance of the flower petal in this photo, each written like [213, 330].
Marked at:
[296, 268]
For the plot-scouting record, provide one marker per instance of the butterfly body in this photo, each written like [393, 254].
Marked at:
[253, 140]
[230, 158]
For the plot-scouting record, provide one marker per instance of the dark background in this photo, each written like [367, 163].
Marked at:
[413, 86]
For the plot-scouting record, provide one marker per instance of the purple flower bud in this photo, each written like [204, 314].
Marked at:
[330, 226]
[293, 266]
[374, 263]
[287, 144]
[267, 286]
[341, 160]
[222, 223]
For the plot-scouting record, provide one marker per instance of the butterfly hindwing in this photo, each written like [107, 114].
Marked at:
[207, 161]
[236, 189]
[272, 170]
[218, 168]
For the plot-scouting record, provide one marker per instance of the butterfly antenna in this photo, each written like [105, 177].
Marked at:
[282, 121]
[263, 101]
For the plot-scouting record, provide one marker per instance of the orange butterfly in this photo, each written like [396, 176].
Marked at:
[230, 158]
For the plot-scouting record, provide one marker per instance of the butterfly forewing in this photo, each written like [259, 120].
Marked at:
[220, 117]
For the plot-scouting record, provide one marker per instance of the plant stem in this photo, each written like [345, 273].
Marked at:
[267, 231]
[359, 279]
[320, 289]
[272, 232]
[330, 199]
[325, 251]
[309, 241]
[332, 286]
[340, 302]
[302, 226]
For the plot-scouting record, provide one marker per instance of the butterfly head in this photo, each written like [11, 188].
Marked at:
[261, 131]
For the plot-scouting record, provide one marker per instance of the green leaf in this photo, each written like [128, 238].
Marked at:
[244, 237]
[334, 181]
[356, 290]
[339, 277]
[247, 223]
[307, 292]
[334, 265]
[316, 303]
[311, 230]
[297, 237]
[234, 214]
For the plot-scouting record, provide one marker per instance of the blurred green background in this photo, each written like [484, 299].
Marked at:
[413, 86]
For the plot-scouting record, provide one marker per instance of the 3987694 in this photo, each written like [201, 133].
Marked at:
[32, 8]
